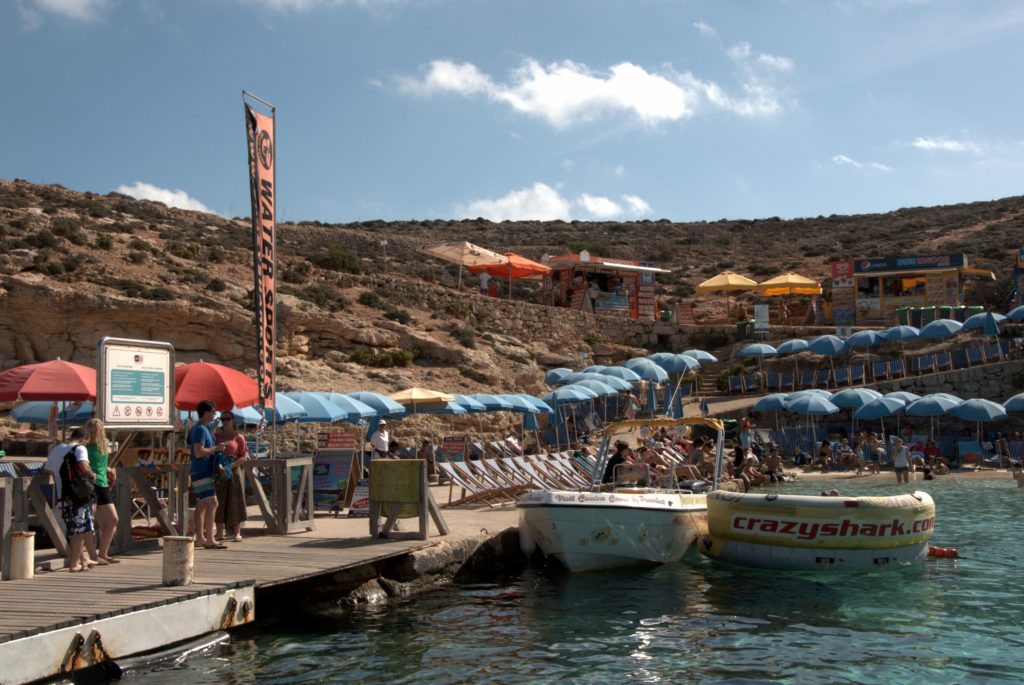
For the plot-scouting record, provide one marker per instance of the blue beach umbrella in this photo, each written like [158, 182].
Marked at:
[757, 350]
[828, 345]
[701, 356]
[600, 388]
[469, 404]
[285, 410]
[1015, 403]
[318, 409]
[817, 392]
[773, 402]
[979, 411]
[899, 333]
[792, 346]
[864, 339]
[621, 372]
[355, 411]
[811, 405]
[519, 404]
[932, 406]
[677, 363]
[941, 328]
[1016, 314]
[880, 407]
[594, 368]
[648, 371]
[658, 355]
[491, 402]
[907, 397]
[985, 321]
[616, 383]
[39, 412]
[249, 416]
[854, 398]
[556, 376]
[452, 407]
[568, 394]
[384, 406]
[537, 403]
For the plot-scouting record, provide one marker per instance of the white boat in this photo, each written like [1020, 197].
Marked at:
[798, 532]
[606, 527]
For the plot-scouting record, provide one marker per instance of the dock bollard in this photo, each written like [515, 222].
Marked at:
[179, 553]
[23, 555]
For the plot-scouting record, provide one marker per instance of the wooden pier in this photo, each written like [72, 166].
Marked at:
[41, 619]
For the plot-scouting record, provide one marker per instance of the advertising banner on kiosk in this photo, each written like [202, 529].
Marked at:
[335, 464]
[454, 446]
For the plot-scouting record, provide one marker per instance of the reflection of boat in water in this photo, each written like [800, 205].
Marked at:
[796, 532]
[618, 525]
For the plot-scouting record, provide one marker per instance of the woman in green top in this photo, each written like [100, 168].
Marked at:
[106, 514]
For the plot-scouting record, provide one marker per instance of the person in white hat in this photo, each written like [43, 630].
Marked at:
[379, 440]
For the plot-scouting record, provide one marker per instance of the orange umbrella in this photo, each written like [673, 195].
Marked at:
[517, 267]
[55, 380]
[224, 386]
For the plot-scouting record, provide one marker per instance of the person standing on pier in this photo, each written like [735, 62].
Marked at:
[205, 464]
[230, 498]
[106, 513]
[76, 503]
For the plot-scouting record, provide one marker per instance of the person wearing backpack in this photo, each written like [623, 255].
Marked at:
[77, 494]
[206, 456]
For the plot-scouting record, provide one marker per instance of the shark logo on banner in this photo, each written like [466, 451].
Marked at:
[260, 134]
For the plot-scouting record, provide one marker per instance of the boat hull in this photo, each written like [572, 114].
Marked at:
[792, 532]
[589, 531]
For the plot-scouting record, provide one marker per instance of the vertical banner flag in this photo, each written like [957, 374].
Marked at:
[260, 134]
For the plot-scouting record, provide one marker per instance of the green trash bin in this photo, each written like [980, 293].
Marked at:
[946, 312]
[745, 329]
[971, 311]
[928, 314]
[903, 316]
[915, 317]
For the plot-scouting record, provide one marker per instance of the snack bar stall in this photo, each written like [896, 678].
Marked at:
[875, 291]
[602, 286]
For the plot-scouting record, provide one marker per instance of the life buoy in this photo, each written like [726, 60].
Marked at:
[943, 552]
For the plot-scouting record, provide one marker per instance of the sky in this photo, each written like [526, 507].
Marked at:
[522, 109]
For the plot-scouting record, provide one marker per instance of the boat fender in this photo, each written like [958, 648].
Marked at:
[771, 496]
[526, 542]
[943, 552]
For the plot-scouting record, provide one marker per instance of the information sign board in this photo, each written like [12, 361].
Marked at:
[332, 470]
[135, 384]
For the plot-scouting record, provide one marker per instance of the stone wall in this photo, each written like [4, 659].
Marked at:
[996, 382]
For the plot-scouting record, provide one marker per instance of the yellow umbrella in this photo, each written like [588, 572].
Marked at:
[420, 396]
[726, 282]
[789, 284]
[465, 254]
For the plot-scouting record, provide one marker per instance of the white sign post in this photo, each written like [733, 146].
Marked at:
[135, 385]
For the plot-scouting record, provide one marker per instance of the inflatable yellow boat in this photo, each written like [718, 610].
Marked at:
[796, 532]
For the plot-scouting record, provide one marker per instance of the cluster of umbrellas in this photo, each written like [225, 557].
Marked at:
[785, 284]
[831, 345]
[868, 404]
[478, 259]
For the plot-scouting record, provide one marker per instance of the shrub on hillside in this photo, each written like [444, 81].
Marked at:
[338, 258]
[383, 360]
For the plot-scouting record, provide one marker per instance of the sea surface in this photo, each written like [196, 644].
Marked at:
[943, 621]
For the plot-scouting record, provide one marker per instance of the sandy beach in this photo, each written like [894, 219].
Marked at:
[984, 474]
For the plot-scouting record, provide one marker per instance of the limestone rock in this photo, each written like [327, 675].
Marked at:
[370, 592]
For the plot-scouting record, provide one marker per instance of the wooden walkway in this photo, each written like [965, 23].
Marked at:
[58, 598]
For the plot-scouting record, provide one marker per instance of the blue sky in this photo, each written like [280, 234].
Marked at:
[522, 109]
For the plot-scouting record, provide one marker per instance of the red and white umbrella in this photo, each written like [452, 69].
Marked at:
[55, 380]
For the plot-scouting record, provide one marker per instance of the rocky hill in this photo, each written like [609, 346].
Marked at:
[358, 315]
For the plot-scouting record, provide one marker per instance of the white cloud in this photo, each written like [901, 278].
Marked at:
[537, 203]
[636, 205]
[843, 160]
[599, 207]
[705, 28]
[541, 202]
[171, 198]
[620, 171]
[81, 10]
[567, 93]
[775, 62]
[946, 145]
[307, 5]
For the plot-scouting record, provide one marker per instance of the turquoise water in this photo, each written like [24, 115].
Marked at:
[946, 621]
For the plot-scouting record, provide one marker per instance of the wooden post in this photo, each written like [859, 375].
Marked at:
[180, 482]
[41, 505]
[282, 495]
[23, 555]
[422, 504]
[123, 507]
[178, 561]
[6, 522]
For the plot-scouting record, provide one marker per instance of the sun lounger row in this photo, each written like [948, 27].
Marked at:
[500, 480]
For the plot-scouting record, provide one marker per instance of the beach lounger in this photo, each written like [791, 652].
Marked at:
[924, 363]
[960, 360]
[856, 374]
[970, 452]
[751, 383]
[842, 375]
[880, 370]
[786, 380]
[771, 381]
[896, 369]
[1016, 452]
[735, 385]
[992, 352]
[975, 355]
[807, 377]
[943, 362]
[549, 473]
[472, 491]
[822, 378]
